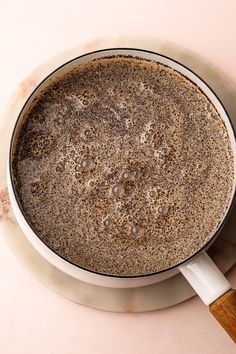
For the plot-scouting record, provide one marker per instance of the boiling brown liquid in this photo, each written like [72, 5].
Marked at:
[123, 167]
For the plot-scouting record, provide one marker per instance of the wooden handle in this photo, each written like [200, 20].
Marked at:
[224, 310]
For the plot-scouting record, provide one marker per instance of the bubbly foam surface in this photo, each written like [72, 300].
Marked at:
[123, 167]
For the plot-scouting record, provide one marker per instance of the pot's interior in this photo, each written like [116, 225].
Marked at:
[60, 72]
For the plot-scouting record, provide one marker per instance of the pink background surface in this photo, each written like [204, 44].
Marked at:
[32, 318]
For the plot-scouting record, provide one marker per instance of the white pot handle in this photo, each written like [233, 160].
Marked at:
[205, 278]
[214, 289]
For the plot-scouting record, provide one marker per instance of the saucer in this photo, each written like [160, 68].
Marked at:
[156, 296]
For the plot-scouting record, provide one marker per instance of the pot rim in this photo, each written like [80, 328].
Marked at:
[221, 224]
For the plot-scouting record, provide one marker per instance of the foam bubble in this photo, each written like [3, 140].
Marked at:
[151, 193]
[88, 133]
[163, 209]
[60, 166]
[87, 164]
[126, 175]
[136, 230]
[117, 189]
[107, 222]
[35, 188]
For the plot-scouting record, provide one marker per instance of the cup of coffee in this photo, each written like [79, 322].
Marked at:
[122, 172]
